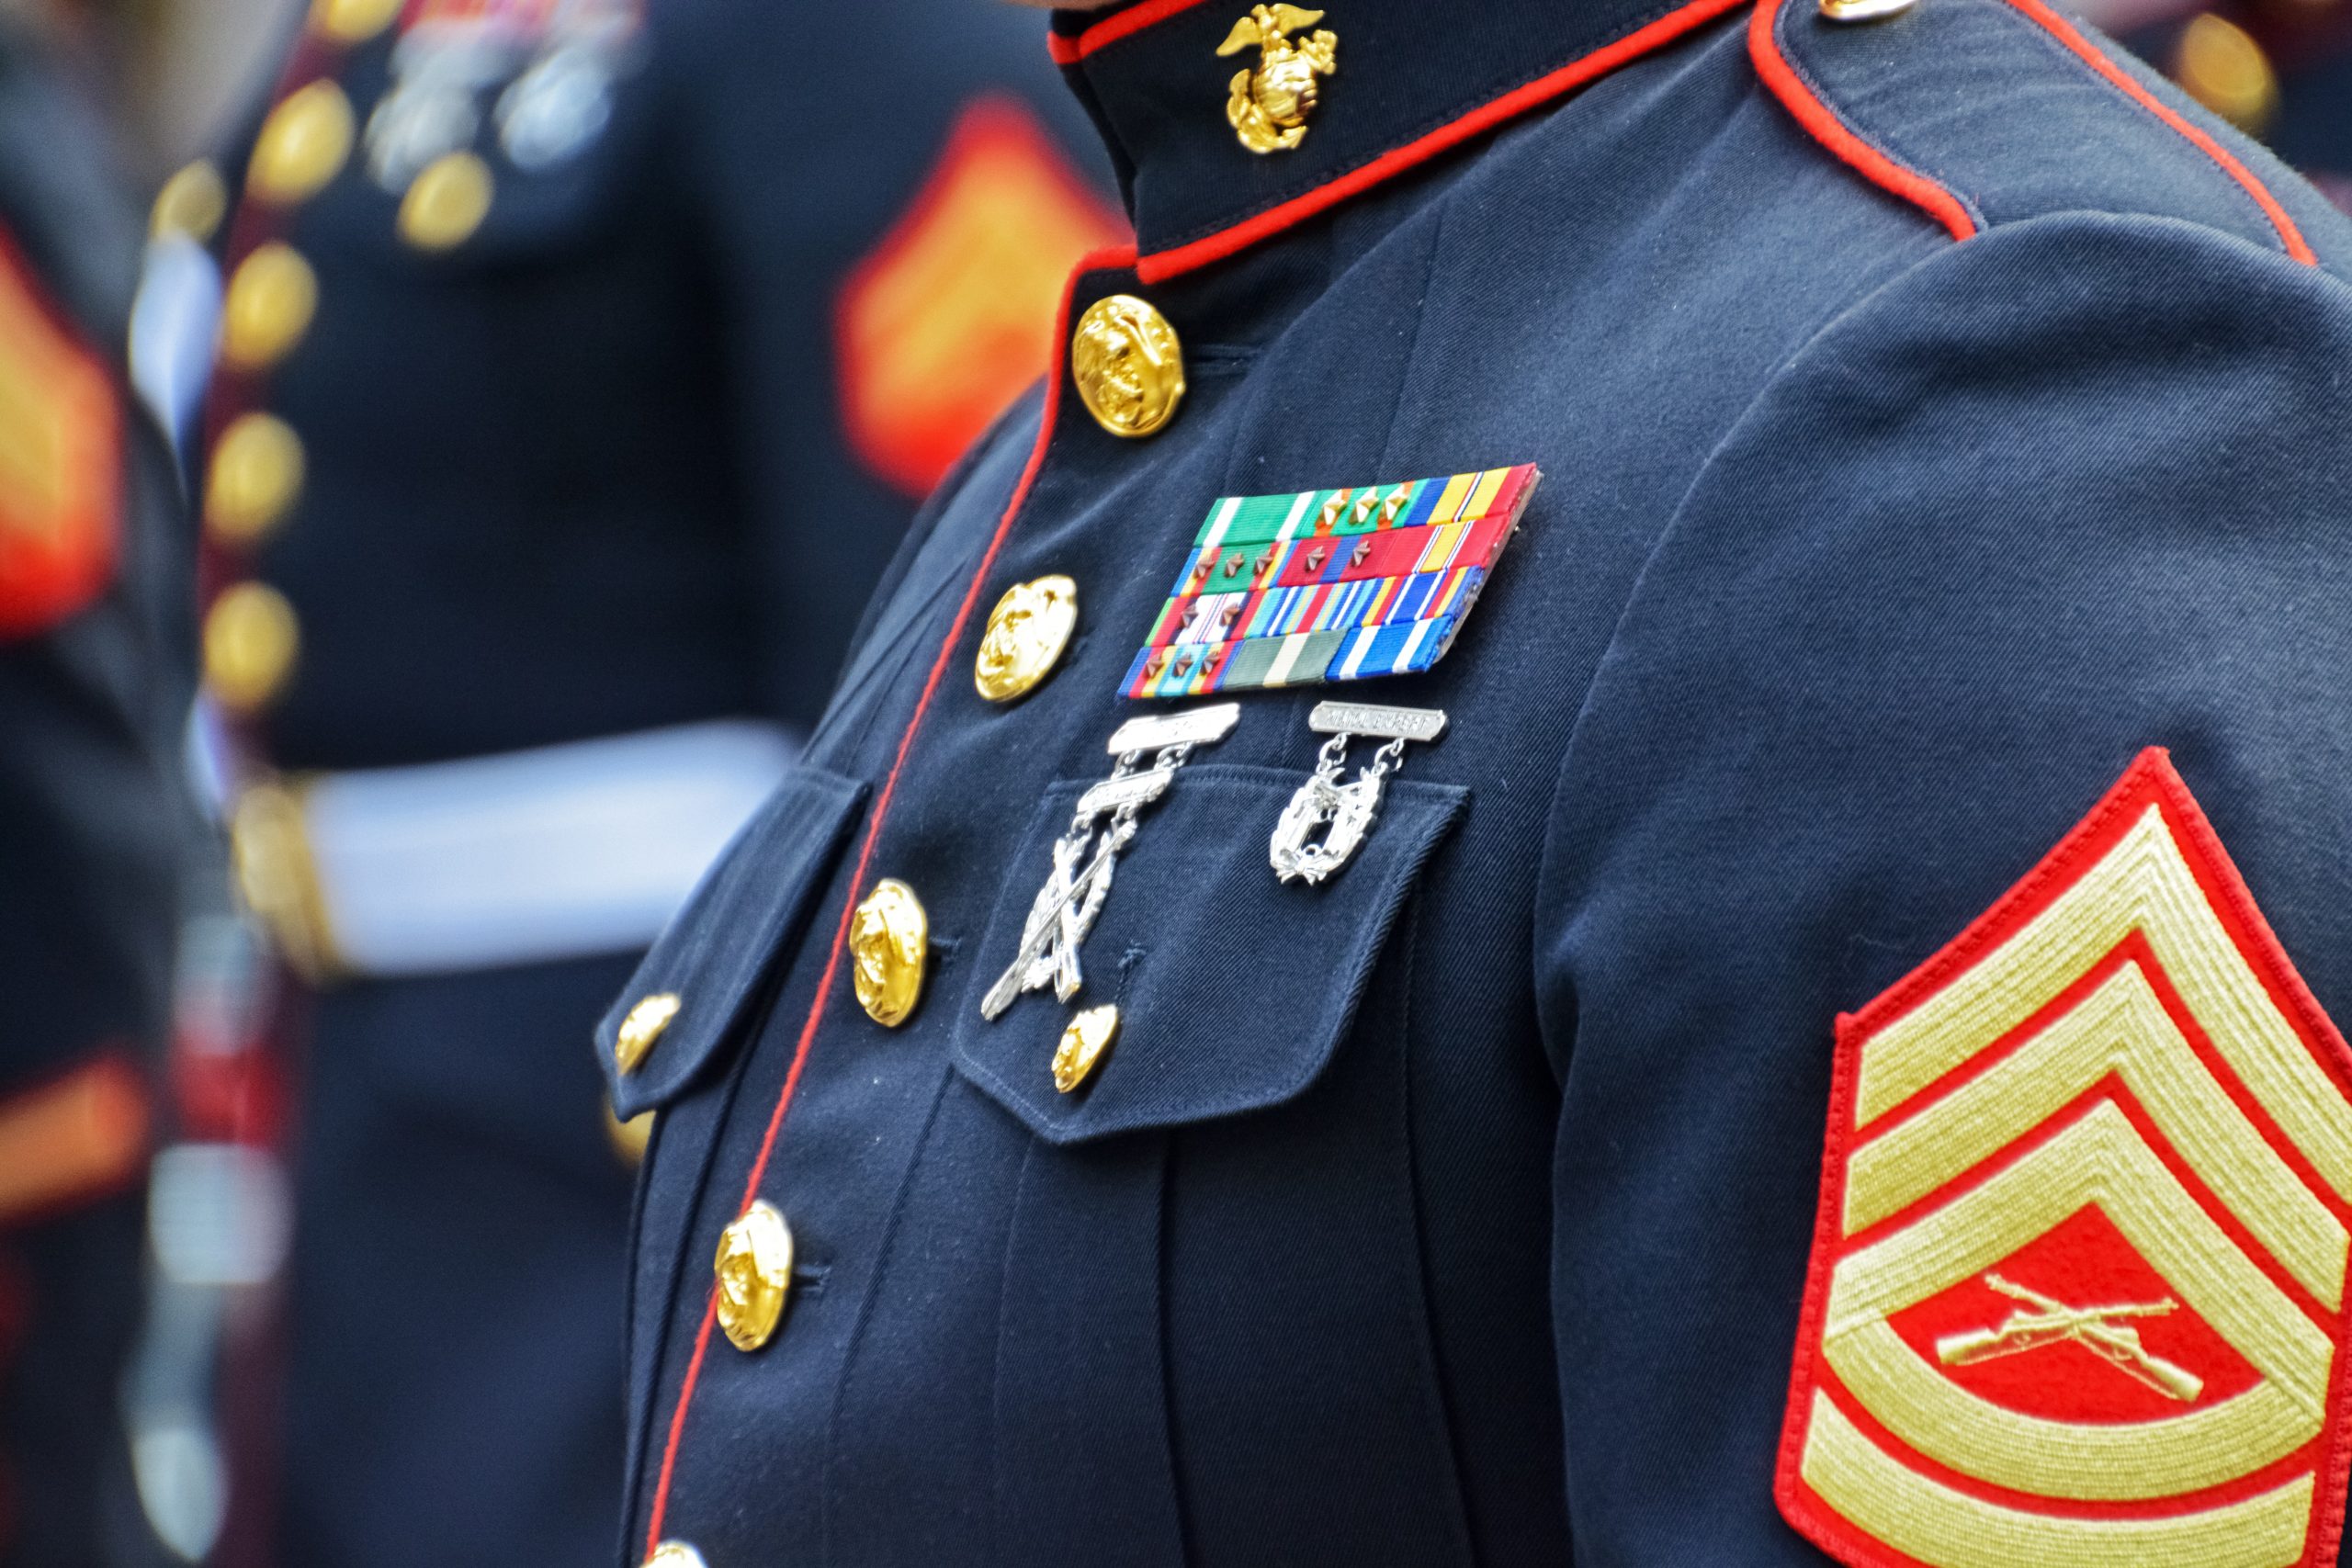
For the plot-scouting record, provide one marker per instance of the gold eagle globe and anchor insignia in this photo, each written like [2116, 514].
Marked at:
[1270, 105]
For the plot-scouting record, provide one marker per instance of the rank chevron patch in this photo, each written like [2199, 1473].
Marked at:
[2078, 1285]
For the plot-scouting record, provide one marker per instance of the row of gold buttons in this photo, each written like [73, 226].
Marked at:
[1128, 367]
[251, 634]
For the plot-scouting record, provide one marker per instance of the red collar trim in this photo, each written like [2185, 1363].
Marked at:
[1070, 51]
[1160, 265]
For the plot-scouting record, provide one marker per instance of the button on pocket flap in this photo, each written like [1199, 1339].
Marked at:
[1233, 989]
[694, 986]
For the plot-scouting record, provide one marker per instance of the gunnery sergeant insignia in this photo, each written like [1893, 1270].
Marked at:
[1329, 584]
[1269, 105]
[2077, 1290]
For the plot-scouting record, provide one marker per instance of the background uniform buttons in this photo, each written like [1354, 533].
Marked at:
[271, 298]
[303, 144]
[353, 21]
[1129, 364]
[256, 472]
[250, 641]
[889, 943]
[641, 1028]
[191, 203]
[674, 1554]
[1026, 635]
[447, 201]
[754, 1271]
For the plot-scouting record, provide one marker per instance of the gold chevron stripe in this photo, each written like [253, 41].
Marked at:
[2121, 1028]
[2100, 1159]
[1946, 1528]
[2143, 885]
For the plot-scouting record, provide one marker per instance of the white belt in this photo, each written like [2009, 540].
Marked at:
[526, 857]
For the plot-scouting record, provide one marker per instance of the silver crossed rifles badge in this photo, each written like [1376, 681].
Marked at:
[1327, 821]
[1105, 822]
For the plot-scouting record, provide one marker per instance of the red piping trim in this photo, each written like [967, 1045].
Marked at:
[1070, 52]
[1764, 48]
[1161, 266]
[2066, 33]
[1098, 261]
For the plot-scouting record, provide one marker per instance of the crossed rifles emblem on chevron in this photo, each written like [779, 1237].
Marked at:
[2045, 1321]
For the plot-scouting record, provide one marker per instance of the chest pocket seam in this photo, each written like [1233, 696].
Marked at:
[1234, 989]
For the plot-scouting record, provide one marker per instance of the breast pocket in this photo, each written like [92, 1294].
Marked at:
[1117, 1390]
[696, 985]
[1233, 989]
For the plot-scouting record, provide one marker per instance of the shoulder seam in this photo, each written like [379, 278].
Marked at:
[1804, 101]
[1799, 96]
[2071, 39]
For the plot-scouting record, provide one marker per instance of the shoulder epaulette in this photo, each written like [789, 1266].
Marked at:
[1985, 112]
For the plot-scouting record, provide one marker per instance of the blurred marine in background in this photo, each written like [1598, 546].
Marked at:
[580, 363]
[93, 578]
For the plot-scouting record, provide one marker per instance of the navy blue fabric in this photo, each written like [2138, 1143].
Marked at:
[91, 823]
[1865, 562]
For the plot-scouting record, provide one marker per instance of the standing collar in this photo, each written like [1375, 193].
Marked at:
[1413, 79]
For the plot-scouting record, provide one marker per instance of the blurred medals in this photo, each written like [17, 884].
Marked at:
[1327, 821]
[558, 59]
[1107, 819]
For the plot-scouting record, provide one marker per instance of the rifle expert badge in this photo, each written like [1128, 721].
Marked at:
[1107, 819]
[2078, 1293]
[1269, 105]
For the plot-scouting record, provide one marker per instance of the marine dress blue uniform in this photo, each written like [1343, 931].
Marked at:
[560, 424]
[1941, 431]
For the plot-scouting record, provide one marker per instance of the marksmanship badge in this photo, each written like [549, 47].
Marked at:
[1106, 821]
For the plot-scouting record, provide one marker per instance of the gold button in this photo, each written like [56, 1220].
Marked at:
[353, 21]
[1864, 10]
[250, 640]
[303, 144]
[447, 202]
[1129, 364]
[641, 1028]
[1085, 1042]
[629, 1138]
[754, 1270]
[1026, 634]
[256, 471]
[674, 1554]
[271, 297]
[889, 943]
[191, 203]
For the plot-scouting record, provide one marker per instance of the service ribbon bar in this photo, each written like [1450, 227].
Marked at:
[1329, 584]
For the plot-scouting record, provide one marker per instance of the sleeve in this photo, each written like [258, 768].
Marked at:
[1995, 667]
[885, 282]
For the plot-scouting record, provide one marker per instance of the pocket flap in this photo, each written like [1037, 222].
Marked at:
[750, 906]
[1233, 989]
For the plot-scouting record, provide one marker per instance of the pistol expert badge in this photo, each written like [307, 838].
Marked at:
[1087, 854]
[1327, 821]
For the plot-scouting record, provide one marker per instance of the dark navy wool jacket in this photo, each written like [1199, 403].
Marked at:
[1935, 415]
